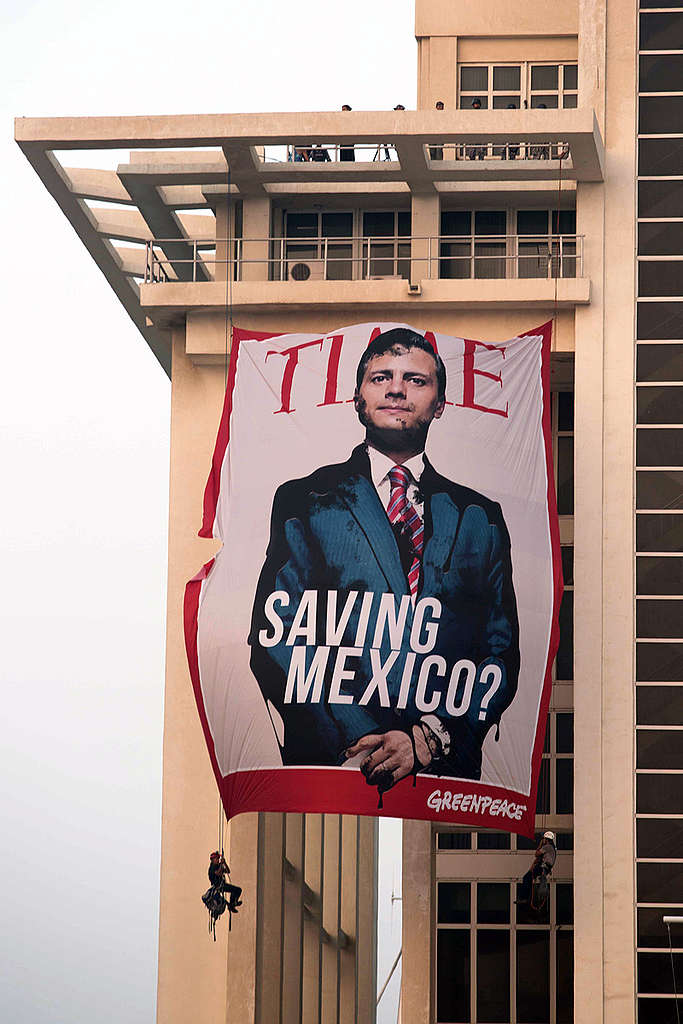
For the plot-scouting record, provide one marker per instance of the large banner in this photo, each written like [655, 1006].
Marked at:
[377, 632]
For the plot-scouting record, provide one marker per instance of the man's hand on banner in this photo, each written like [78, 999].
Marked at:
[391, 756]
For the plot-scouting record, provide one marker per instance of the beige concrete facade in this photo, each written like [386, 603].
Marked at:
[304, 949]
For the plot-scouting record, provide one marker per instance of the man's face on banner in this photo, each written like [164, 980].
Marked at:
[398, 398]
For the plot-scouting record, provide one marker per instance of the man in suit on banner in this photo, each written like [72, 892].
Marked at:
[384, 631]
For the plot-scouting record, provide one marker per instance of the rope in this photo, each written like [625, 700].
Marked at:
[559, 243]
[673, 973]
[229, 270]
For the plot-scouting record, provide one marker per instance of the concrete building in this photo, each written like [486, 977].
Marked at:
[558, 195]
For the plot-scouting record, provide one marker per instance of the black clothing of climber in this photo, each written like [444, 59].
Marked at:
[218, 869]
[544, 861]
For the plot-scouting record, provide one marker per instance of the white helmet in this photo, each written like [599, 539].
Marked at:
[550, 836]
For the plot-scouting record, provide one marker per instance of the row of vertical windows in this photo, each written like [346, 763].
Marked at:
[659, 516]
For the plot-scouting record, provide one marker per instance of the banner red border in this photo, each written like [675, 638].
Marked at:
[329, 790]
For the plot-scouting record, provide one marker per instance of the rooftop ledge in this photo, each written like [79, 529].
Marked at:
[166, 304]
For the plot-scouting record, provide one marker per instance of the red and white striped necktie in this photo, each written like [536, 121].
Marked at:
[403, 514]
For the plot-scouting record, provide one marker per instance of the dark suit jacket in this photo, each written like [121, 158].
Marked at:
[329, 531]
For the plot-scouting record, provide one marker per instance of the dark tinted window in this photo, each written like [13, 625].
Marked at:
[565, 977]
[660, 883]
[660, 705]
[651, 929]
[660, 663]
[661, 31]
[659, 575]
[660, 198]
[564, 738]
[654, 971]
[532, 222]
[659, 532]
[659, 794]
[565, 785]
[453, 903]
[493, 840]
[454, 841]
[564, 222]
[452, 975]
[543, 793]
[661, 362]
[660, 321]
[660, 238]
[378, 224]
[659, 618]
[456, 222]
[659, 748]
[302, 225]
[659, 837]
[337, 225]
[659, 447]
[533, 961]
[660, 156]
[567, 564]
[565, 476]
[404, 222]
[490, 222]
[564, 665]
[661, 73]
[564, 893]
[493, 903]
[660, 115]
[493, 976]
[659, 1011]
[660, 404]
[565, 410]
[661, 489]
[660, 277]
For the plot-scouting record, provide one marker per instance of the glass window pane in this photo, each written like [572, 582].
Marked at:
[503, 101]
[454, 841]
[453, 975]
[659, 748]
[567, 553]
[660, 238]
[661, 73]
[453, 903]
[659, 532]
[659, 1011]
[659, 837]
[660, 705]
[659, 575]
[543, 792]
[659, 447]
[564, 737]
[565, 840]
[493, 903]
[661, 31]
[571, 76]
[564, 663]
[544, 77]
[506, 79]
[456, 222]
[467, 102]
[565, 402]
[660, 198]
[659, 794]
[564, 894]
[302, 225]
[493, 976]
[533, 989]
[489, 222]
[528, 844]
[659, 489]
[378, 224]
[654, 971]
[532, 222]
[659, 663]
[661, 405]
[660, 321]
[546, 737]
[541, 100]
[404, 217]
[660, 277]
[660, 156]
[337, 225]
[474, 79]
[570, 101]
[493, 840]
[660, 883]
[565, 476]
[564, 773]
[565, 977]
[659, 619]
[661, 362]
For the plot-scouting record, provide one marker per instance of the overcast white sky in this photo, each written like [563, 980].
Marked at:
[84, 412]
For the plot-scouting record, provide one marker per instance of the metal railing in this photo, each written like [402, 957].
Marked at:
[477, 149]
[362, 258]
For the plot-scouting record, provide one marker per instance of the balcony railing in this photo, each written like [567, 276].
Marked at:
[477, 149]
[456, 257]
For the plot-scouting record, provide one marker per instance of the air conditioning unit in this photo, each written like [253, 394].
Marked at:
[300, 270]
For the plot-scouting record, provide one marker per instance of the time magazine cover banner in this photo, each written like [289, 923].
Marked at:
[377, 632]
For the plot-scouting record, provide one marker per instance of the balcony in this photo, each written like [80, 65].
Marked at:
[334, 259]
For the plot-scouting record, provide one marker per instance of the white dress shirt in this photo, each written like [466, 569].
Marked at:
[381, 464]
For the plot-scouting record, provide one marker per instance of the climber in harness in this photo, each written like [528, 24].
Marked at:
[534, 885]
[214, 898]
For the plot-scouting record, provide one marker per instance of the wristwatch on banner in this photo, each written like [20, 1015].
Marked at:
[438, 739]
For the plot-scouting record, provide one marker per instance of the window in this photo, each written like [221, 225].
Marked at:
[317, 246]
[499, 86]
[384, 254]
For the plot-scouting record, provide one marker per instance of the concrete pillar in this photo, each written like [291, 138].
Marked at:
[425, 228]
[255, 235]
[416, 962]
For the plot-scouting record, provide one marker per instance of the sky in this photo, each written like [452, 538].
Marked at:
[84, 453]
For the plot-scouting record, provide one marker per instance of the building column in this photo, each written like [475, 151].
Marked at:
[225, 229]
[416, 889]
[255, 235]
[424, 229]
